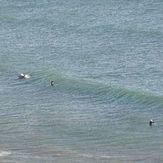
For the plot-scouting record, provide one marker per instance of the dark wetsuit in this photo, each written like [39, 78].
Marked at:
[151, 122]
[52, 83]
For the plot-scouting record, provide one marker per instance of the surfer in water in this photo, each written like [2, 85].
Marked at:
[24, 76]
[151, 122]
[51, 82]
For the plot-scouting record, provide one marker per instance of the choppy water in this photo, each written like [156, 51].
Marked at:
[106, 60]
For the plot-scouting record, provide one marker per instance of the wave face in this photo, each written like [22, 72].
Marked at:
[101, 91]
[105, 58]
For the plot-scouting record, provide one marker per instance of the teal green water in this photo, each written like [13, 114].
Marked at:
[105, 58]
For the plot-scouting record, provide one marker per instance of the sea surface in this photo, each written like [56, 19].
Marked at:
[106, 60]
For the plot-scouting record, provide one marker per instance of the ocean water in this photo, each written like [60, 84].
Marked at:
[106, 60]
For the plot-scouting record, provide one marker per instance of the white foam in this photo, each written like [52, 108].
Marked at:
[87, 155]
[109, 157]
[26, 76]
[4, 153]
